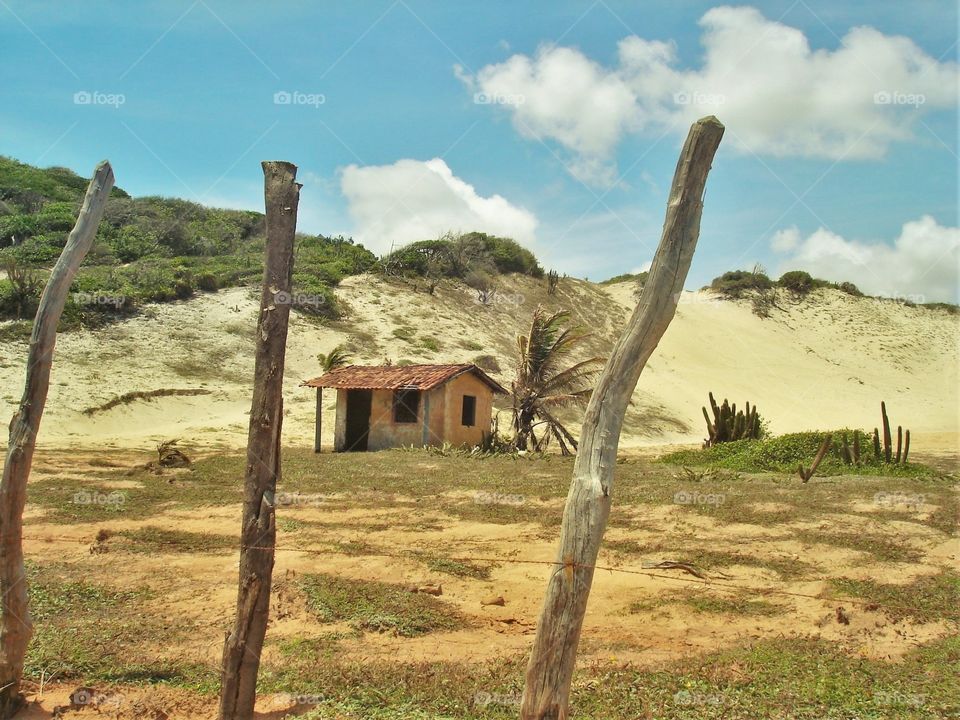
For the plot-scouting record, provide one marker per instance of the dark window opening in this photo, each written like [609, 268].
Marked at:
[468, 417]
[406, 405]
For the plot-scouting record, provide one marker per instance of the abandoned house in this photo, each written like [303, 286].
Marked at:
[384, 406]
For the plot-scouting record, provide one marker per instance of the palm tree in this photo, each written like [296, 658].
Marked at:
[543, 386]
[338, 357]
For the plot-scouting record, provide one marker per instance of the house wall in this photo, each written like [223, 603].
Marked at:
[428, 430]
[438, 418]
[467, 384]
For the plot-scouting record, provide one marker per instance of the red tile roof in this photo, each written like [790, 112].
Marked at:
[398, 377]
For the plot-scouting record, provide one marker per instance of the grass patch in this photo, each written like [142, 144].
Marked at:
[708, 559]
[881, 547]
[154, 540]
[740, 604]
[130, 397]
[377, 607]
[457, 568]
[928, 599]
[785, 453]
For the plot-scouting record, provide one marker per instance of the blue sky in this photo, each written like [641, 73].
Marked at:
[574, 152]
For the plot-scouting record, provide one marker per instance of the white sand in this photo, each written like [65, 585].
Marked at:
[825, 362]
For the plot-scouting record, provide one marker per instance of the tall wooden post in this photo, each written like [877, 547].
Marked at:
[242, 648]
[16, 627]
[317, 429]
[550, 670]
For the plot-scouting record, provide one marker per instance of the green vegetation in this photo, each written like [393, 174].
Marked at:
[785, 453]
[377, 607]
[741, 603]
[929, 599]
[154, 541]
[474, 258]
[150, 249]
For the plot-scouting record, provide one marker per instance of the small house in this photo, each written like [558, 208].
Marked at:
[384, 406]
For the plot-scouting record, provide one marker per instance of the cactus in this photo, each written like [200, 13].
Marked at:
[887, 453]
[729, 424]
[903, 441]
[856, 447]
[805, 474]
[553, 279]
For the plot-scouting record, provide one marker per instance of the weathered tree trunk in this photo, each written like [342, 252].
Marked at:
[17, 627]
[550, 670]
[242, 648]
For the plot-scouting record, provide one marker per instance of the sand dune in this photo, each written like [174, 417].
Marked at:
[823, 362]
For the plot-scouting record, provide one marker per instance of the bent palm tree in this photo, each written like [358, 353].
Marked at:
[338, 357]
[542, 386]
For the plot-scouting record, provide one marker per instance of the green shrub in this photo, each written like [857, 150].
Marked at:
[784, 453]
[849, 288]
[798, 282]
[736, 283]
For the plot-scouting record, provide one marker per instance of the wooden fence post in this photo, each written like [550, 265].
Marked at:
[16, 627]
[550, 670]
[317, 431]
[242, 647]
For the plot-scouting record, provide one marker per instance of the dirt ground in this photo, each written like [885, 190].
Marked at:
[371, 540]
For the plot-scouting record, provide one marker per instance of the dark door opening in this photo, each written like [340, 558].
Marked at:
[359, 403]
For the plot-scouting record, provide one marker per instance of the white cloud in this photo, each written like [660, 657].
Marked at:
[775, 94]
[786, 239]
[413, 200]
[922, 264]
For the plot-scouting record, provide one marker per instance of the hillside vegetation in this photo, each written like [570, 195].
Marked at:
[155, 249]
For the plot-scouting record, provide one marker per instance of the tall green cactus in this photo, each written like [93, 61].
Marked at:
[729, 424]
[903, 441]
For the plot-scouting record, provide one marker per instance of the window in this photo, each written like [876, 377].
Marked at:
[468, 416]
[406, 406]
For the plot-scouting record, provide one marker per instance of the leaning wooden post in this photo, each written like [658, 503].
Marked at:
[317, 429]
[242, 648]
[550, 670]
[16, 627]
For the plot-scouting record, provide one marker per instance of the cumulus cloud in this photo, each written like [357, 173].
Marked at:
[413, 200]
[922, 264]
[776, 95]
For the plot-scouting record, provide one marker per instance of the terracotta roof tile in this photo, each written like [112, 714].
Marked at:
[398, 377]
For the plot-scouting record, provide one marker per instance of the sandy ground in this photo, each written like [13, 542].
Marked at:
[825, 362]
[200, 589]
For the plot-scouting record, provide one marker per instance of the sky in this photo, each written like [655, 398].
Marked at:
[555, 123]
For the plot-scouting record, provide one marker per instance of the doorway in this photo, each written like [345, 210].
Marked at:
[359, 403]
